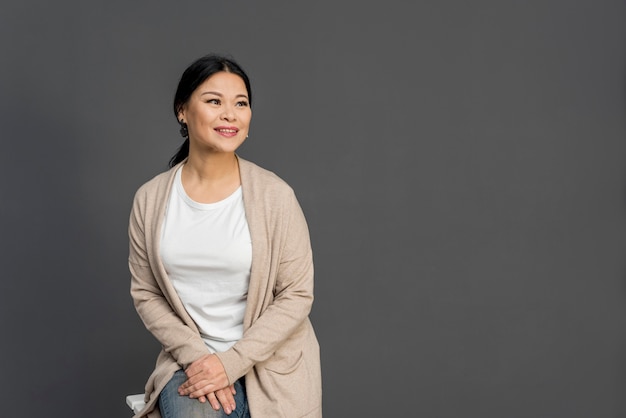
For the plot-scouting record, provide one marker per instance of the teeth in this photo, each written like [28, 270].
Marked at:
[227, 130]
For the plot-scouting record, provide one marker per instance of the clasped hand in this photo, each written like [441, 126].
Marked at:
[207, 381]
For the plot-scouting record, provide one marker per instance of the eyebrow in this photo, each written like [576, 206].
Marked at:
[221, 95]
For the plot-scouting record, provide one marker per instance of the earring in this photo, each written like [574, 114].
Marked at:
[184, 132]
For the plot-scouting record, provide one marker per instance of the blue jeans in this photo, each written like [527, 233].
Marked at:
[172, 405]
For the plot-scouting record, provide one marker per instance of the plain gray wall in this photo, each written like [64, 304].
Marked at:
[461, 164]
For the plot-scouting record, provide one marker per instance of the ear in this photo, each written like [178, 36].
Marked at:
[180, 115]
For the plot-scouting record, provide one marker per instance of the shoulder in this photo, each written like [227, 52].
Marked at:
[156, 186]
[262, 180]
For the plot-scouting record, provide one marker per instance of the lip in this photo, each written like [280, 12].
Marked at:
[227, 131]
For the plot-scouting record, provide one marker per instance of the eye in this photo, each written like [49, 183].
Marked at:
[213, 101]
[242, 103]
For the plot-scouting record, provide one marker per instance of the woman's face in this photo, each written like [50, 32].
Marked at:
[218, 114]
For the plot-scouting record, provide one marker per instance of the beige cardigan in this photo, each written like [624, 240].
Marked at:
[278, 353]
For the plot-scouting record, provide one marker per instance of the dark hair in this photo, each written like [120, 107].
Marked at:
[196, 74]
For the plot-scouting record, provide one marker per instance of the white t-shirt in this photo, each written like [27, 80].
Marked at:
[207, 252]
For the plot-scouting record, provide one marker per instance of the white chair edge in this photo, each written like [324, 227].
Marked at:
[135, 402]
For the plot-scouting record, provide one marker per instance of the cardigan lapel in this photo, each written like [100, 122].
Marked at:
[256, 216]
[162, 200]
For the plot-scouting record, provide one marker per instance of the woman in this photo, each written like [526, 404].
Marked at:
[221, 267]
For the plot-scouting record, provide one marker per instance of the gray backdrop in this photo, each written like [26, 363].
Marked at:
[461, 165]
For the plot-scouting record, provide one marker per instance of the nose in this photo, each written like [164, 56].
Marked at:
[228, 113]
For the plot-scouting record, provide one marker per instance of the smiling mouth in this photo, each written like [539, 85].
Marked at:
[227, 131]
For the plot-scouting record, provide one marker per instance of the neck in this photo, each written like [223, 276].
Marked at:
[212, 167]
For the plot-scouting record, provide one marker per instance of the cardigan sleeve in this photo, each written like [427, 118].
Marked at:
[176, 337]
[293, 297]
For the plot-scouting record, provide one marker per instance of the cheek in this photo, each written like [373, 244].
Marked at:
[248, 119]
[202, 118]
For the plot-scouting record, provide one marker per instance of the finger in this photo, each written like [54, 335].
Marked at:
[191, 385]
[183, 389]
[226, 399]
[202, 391]
[232, 389]
[213, 401]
